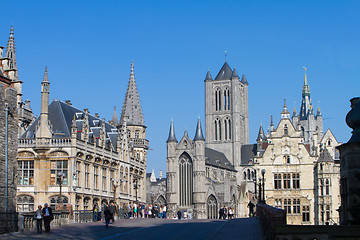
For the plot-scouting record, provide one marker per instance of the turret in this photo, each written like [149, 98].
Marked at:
[285, 113]
[44, 130]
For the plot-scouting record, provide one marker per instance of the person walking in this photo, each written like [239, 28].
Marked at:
[164, 212]
[47, 216]
[251, 209]
[179, 214]
[38, 217]
[107, 215]
[95, 212]
[129, 209]
[112, 210]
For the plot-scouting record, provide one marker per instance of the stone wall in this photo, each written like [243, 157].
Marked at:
[8, 95]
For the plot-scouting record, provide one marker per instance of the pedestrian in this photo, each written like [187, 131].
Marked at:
[107, 215]
[161, 211]
[47, 216]
[164, 212]
[185, 215]
[230, 213]
[95, 212]
[129, 209]
[225, 212]
[221, 213]
[179, 214]
[135, 209]
[251, 209]
[112, 210]
[38, 217]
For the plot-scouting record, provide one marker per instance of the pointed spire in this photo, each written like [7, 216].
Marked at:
[208, 76]
[261, 135]
[244, 80]
[171, 137]
[318, 112]
[132, 109]
[46, 78]
[199, 134]
[294, 112]
[272, 123]
[285, 111]
[152, 176]
[224, 73]
[234, 74]
[10, 52]
[114, 118]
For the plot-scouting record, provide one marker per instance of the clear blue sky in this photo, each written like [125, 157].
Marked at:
[88, 47]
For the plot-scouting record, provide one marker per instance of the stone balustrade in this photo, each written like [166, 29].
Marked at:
[140, 142]
[48, 142]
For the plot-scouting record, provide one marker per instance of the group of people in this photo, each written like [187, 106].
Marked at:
[142, 210]
[226, 212]
[43, 215]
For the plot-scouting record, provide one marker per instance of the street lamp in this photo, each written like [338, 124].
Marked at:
[136, 185]
[60, 179]
[260, 191]
[255, 184]
[263, 184]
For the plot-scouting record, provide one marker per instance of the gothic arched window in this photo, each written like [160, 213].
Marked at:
[217, 129]
[226, 99]
[212, 211]
[186, 180]
[286, 132]
[217, 99]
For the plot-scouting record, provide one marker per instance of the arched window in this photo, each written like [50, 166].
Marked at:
[217, 99]
[137, 134]
[186, 180]
[58, 199]
[211, 207]
[129, 134]
[286, 129]
[248, 174]
[25, 203]
[244, 175]
[226, 99]
[217, 129]
[227, 129]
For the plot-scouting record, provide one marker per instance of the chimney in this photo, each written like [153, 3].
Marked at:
[68, 102]
[97, 115]
[160, 175]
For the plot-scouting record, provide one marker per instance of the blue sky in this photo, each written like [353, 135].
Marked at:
[88, 47]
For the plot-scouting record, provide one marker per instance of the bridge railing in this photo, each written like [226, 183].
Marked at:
[27, 221]
[270, 217]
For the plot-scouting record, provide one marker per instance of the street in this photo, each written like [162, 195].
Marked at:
[246, 228]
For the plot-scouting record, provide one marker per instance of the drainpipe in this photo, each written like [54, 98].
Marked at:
[6, 156]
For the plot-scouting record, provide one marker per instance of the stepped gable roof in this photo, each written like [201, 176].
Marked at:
[217, 159]
[225, 72]
[61, 116]
[248, 151]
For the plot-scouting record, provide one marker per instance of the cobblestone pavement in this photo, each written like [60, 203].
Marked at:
[159, 229]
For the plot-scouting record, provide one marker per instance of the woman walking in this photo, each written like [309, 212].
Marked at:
[38, 217]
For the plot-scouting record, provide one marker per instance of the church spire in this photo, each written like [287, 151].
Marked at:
[171, 137]
[261, 135]
[305, 101]
[285, 113]
[44, 131]
[199, 134]
[114, 118]
[10, 53]
[132, 109]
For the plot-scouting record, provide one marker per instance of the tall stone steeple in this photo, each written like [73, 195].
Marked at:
[132, 109]
[114, 118]
[10, 53]
[305, 101]
[43, 130]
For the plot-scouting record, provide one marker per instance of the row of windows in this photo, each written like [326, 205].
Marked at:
[26, 203]
[324, 187]
[218, 129]
[293, 206]
[218, 102]
[286, 178]
[325, 212]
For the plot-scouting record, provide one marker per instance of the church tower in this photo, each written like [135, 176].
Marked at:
[227, 113]
[310, 124]
[132, 117]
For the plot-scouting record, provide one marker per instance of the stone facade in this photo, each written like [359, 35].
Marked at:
[203, 176]
[301, 166]
[8, 114]
[155, 189]
[68, 156]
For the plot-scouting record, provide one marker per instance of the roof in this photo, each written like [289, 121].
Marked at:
[217, 159]
[61, 116]
[248, 152]
[225, 72]
[131, 111]
[199, 134]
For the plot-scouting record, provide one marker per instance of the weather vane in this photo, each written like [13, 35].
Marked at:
[304, 68]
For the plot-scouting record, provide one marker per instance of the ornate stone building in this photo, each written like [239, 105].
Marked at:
[68, 156]
[301, 166]
[204, 175]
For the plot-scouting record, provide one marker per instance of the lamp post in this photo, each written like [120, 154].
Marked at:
[263, 184]
[60, 179]
[136, 186]
[260, 192]
[255, 185]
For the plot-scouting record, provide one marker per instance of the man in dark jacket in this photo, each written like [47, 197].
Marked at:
[47, 216]
[107, 215]
[112, 210]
